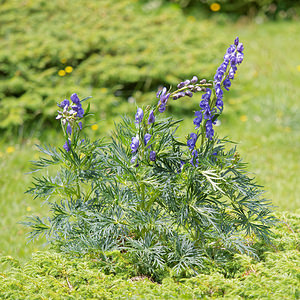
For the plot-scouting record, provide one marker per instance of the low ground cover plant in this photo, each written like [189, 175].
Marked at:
[52, 275]
[163, 205]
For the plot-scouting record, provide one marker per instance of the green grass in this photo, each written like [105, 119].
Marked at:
[15, 205]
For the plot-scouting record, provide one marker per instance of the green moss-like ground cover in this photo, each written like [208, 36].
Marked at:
[49, 275]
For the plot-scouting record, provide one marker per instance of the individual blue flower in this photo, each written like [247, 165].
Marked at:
[232, 72]
[209, 129]
[139, 116]
[207, 95]
[64, 103]
[227, 84]
[233, 60]
[151, 118]
[219, 75]
[239, 57]
[79, 110]
[194, 160]
[152, 156]
[134, 144]
[240, 47]
[134, 160]
[67, 145]
[147, 138]
[207, 113]
[204, 104]
[219, 91]
[69, 129]
[163, 98]
[75, 99]
[161, 108]
[224, 66]
[192, 141]
[231, 49]
[80, 125]
[197, 121]
[219, 104]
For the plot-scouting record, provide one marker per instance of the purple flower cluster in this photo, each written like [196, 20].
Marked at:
[212, 103]
[139, 116]
[189, 88]
[192, 141]
[134, 144]
[205, 113]
[163, 96]
[233, 57]
[70, 113]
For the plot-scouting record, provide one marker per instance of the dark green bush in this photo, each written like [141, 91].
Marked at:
[115, 48]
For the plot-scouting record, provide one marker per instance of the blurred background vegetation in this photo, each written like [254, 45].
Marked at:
[121, 52]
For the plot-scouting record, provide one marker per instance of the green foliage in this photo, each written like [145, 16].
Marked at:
[49, 275]
[173, 212]
[115, 48]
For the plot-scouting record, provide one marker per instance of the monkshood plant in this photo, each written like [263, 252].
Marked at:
[161, 203]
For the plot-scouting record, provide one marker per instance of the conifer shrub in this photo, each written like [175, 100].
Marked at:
[109, 48]
[52, 275]
[163, 204]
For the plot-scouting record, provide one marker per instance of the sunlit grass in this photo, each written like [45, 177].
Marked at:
[15, 205]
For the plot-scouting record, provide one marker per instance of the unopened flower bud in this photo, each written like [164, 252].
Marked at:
[139, 116]
[236, 41]
[180, 85]
[151, 118]
[202, 81]
[152, 155]
[189, 93]
[181, 94]
[194, 79]
[186, 82]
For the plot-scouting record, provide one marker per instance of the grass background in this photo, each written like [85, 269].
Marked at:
[261, 110]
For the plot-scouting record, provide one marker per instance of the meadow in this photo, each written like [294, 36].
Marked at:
[121, 69]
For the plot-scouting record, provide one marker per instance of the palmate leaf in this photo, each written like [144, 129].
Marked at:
[55, 158]
[39, 227]
[213, 178]
[63, 183]
[184, 255]
[146, 253]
